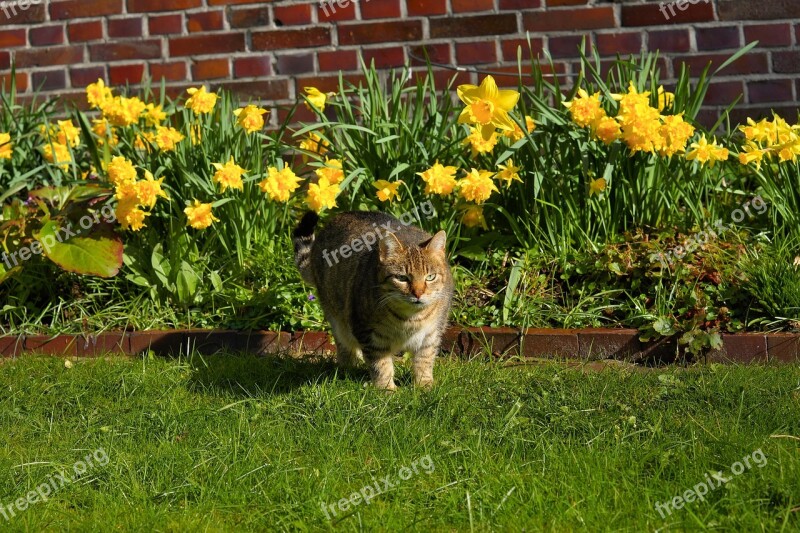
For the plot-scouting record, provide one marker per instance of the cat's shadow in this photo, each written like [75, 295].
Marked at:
[252, 376]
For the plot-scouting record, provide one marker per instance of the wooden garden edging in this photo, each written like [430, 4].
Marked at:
[580, 344]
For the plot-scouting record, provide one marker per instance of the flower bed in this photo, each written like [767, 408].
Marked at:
[605, 206]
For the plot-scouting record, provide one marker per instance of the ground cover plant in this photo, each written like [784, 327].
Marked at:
[604, 203]
[240, 443]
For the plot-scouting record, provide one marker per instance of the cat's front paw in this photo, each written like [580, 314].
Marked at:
[423, 384]
[384, 385]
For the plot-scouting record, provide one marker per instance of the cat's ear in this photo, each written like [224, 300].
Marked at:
[437, 243]
[389, 247]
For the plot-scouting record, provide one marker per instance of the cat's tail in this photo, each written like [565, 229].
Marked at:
[303, 239]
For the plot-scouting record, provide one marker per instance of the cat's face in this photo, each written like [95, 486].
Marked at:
[413, 277]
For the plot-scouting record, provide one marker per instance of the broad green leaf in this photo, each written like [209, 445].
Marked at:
[97, 252]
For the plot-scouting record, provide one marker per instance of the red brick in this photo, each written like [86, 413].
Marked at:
[231, 2]
[769, 34]
[561, 3]
[785, 62]
[338, 60]
[169, 71]
[511, 46]
[210, 69]
[388, 57]
[448, 78]
[83, 76]
[383, 9]
[783, 347]
[426, 7]
[46, 35]
[471, 26]
[252, 66]
[331, 12]
[249, 18]
[669, 41]
[281, 39]
[221, 43]
[73, 9]
[292, 15]
[127, 27]
[165, 24]
[12, 38]
[268, 90]
[619, 43]
[567, 46]
[723, 92]
[60, 55]
[121, 51]
[752, 63]
[5, 60]
[464, 6]
[718, 38]
[205, 21]
[651, 14]
[513, 78]
[148, 6]
[292, 64]
[569, 19]
[79, 32]
[516, 5]
[380, 32]
[34, 14]
[476, 53]
[327, 83]
[125, 74]
[437, 53]
[761, 10]
[767, 91]
[20, 78]
[49, 80]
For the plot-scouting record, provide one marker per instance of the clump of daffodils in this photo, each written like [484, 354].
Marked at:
[6, 148]
[135, 198]
[638, 124]
[769, 139]
[200, 101]
[199, 215]
[487, 107]
[250, 118]
[280, 184]
[439, 179]
[228, 175]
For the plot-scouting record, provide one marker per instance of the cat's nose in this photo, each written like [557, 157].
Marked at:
[417, 289]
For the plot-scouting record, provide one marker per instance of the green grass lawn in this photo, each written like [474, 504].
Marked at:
[235, 443]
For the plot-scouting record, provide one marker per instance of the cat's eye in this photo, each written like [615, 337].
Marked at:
[430, 277]
[402, 278]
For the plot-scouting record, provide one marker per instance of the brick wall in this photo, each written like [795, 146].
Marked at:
[271, 50]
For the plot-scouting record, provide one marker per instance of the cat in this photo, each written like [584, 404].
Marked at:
[384, 286]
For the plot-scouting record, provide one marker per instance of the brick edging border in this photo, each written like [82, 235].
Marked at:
[581, 344]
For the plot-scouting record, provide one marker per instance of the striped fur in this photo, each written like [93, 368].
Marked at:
[388, 297]
[303, 239]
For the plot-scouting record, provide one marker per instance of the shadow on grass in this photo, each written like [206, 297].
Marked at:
[248, 375]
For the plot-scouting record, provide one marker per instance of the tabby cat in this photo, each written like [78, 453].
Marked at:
[384, 286]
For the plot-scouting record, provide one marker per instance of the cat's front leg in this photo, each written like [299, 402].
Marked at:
[381, 370]
[424, 359]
